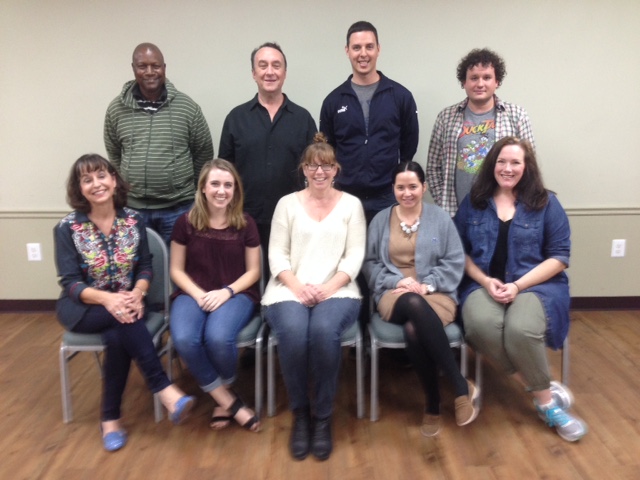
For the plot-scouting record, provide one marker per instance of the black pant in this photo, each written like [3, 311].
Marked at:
[124, 342]
[428, 348]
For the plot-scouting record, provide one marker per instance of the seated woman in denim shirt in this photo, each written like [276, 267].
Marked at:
[515, 293]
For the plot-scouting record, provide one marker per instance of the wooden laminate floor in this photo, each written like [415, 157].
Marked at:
[507, 441]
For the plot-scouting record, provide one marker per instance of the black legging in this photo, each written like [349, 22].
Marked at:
[427, 347]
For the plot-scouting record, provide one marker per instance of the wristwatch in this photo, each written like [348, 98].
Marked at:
[430, 289]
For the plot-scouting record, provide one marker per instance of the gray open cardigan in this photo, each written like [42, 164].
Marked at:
[439, 253]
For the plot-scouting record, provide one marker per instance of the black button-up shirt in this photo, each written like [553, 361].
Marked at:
[266, 154]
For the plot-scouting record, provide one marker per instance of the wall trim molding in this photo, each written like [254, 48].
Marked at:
[7, 306]
[577, 303]
[601, 212]
[33, 214]
[605, 303]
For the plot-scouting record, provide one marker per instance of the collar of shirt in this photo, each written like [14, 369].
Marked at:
[148, 105]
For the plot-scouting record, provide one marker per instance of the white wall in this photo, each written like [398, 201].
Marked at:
[572, 64]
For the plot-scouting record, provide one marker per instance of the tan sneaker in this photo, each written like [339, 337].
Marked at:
[467, 406]
[430, 425]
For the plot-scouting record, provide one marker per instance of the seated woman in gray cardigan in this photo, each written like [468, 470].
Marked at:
[413, 265]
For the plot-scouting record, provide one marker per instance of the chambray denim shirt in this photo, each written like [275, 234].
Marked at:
[534, 236]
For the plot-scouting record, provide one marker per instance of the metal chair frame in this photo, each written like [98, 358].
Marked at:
[388, 335]
[251, 336]
[351, 337]
[74, 343]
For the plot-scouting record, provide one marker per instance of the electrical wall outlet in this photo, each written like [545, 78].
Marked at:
[34, 252]
[618, 247]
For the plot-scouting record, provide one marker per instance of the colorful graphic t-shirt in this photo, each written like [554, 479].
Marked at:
[476, 139]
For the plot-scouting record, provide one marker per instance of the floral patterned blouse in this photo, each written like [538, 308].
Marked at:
[85, 257]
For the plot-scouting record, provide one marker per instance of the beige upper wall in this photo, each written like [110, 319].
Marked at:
[572, 64]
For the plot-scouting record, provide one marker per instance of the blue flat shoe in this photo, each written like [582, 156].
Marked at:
[114, 440]
[183, 408]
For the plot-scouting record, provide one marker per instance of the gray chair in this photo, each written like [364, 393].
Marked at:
[157, 323]
[564, 368]
[251, 336]
[350, 337]
[389, 335]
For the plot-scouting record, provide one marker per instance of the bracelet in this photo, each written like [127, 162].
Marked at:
[516, 287]
[227, 287]
[144, 294]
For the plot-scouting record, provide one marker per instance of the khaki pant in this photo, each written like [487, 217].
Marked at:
[512, 334]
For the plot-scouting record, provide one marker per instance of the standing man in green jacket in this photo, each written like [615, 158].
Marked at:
[158, 139]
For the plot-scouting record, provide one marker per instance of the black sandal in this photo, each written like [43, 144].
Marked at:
[219, 422]
[238, 405]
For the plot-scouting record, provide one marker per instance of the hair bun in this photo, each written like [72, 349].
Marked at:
[319, 137]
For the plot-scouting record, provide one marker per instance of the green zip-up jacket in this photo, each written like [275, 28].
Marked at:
[159, 154]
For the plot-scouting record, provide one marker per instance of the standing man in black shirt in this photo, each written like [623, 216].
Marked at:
[265, 138]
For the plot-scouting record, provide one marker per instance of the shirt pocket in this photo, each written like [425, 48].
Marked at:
[525, 234]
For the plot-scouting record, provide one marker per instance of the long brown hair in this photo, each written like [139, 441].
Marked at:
[530, 190]
[199, 213]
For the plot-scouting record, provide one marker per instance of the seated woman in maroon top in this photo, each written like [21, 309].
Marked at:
[215, 263]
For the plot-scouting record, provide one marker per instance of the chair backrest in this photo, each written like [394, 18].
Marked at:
[160, 288]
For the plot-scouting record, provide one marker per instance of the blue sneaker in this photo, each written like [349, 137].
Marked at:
[568, 427]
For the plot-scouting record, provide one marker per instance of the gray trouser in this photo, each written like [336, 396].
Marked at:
[513, 334]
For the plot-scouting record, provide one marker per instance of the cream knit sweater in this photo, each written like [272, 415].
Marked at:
[315, 251]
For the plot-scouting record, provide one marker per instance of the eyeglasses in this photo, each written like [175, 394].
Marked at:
[313, 167]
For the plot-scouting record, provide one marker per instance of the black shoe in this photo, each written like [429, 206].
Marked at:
[300, 434]
[321, 444]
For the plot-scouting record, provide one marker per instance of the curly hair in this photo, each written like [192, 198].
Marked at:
[89, 163]
[530, 190]
[199, 213]
[484, 57]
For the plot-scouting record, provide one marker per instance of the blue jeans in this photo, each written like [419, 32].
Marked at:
[309, 348]
[123, 342]
[162, 220]
[206, 341]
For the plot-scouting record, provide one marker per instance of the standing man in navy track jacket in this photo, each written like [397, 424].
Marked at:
[371, 121]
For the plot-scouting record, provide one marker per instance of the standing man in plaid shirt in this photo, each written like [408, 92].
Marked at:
[464, 133]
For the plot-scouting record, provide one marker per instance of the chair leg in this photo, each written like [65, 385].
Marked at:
[374, 381]
[258, 380]
[359, 379]
[464, 360]
[479, 377]
[565, 361]
[158, 408]
[97, 357]
[65, 388]
[271, 378]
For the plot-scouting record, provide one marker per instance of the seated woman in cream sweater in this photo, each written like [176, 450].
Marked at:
[316, 249]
